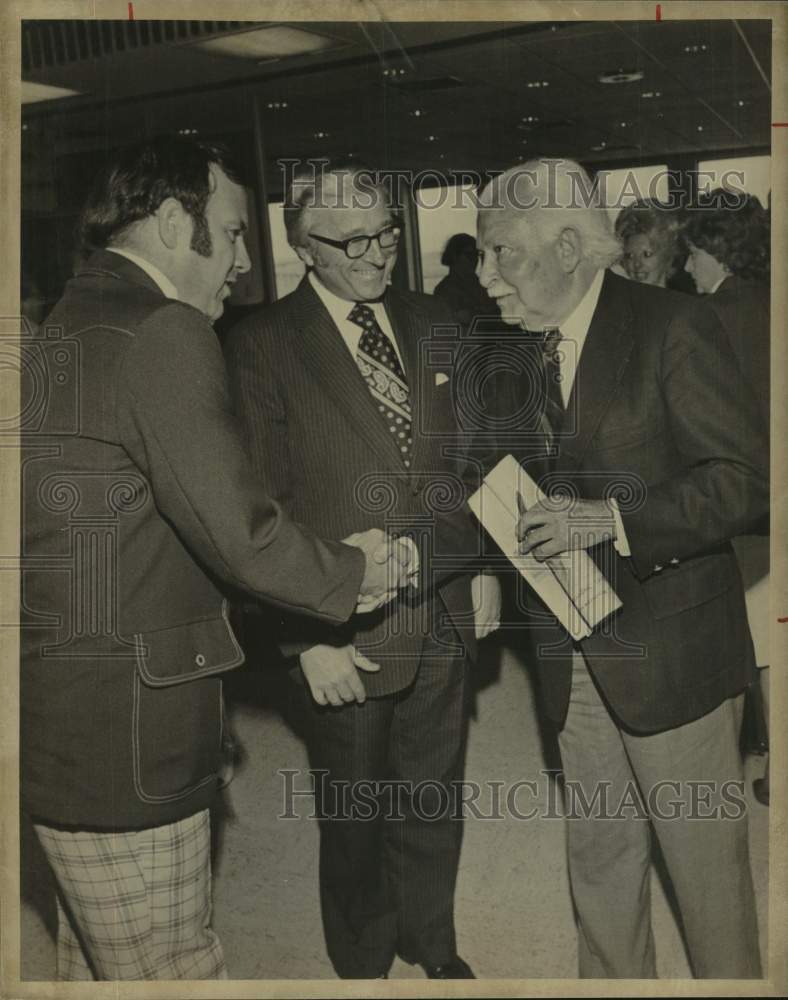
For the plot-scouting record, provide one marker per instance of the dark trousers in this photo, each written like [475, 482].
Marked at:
[389, 858]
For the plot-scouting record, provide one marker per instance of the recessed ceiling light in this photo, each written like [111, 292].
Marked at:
[32, 93]
[276, 105]
[698, 128]
[418, 113]
[624, 124]
[695, 49]
[432, 138]
[530, 119]
[739, 104]
[322, 135]
[394, 71]
[278, 41]
[25, 126]
[620, 76]
[599, 147]
[187, 131]
[537, 84]
[648, 94]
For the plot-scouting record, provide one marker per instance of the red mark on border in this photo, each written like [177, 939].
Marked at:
[131, 11]
[782, 621]
[779, 124]
[659, 11]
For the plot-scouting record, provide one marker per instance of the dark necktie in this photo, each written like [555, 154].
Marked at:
[378, 363]
[553, 415]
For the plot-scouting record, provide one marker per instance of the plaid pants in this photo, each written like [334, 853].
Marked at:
[135, 904]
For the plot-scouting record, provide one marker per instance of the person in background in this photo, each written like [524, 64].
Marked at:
[729, 260]
[649, 234]
[460, 288]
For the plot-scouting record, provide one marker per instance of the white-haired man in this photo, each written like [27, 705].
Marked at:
[643, 401]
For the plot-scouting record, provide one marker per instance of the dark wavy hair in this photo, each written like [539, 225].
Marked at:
[134, 185]
[733, 228]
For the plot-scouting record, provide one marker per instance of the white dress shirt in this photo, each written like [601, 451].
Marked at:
[574, 329]
[351, 332]
[162, 281]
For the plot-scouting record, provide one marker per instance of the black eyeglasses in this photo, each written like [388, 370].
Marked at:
[357, 246]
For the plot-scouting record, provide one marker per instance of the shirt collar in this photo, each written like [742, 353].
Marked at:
[164, 284]
[575, 326]
[337, 307]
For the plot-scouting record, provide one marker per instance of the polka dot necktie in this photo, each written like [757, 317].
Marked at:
[379, 365]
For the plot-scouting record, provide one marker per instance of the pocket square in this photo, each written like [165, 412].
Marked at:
[441, 378]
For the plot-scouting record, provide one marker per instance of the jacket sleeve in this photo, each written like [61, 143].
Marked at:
[723, 486]
[262, 414]
[176, 422]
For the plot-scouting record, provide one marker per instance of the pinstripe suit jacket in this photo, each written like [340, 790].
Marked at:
[316, 438]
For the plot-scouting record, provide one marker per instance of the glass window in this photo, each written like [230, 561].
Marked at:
[628, 184]
[442, 212]
[742, 173]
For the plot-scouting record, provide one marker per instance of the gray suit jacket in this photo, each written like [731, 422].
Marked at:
[316, 438]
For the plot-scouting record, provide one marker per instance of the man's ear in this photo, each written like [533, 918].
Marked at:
[570, 249]
[305, 254]
[173, 223]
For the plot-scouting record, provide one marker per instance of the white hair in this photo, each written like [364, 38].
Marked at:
[558, 194]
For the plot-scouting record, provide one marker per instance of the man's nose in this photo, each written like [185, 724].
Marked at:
[243, 262]
[485, 271]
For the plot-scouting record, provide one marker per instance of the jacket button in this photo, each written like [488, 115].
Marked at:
[199, 659]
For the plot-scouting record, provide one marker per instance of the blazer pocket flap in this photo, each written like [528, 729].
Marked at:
[688, 584]
[184, 652]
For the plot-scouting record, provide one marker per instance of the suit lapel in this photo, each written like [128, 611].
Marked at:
[602, 364]
[408, 325]
[325, 354]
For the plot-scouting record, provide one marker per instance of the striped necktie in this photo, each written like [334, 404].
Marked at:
[554, 411]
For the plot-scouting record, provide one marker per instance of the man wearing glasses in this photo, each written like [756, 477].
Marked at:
[329, 387]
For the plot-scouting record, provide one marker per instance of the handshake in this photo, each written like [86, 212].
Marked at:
[391, 563]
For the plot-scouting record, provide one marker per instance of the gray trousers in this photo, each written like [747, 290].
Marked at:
[684, 785]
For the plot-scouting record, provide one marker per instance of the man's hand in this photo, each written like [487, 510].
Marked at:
[486, 601]
[332, 674]
[579, 524]
[391, 564]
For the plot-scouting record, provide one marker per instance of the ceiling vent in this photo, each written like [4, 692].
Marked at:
[57, 43]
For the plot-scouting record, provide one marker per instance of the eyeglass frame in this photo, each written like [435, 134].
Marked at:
[343, 244]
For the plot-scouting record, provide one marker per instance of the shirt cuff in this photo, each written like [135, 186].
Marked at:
[413, 551]
[620, 542]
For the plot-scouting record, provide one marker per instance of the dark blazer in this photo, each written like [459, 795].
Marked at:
[316, 438]
[138, 502]
[664, 421]
[743, 309]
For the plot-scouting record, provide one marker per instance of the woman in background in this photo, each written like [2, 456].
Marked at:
[728, 240]
[650, 235]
